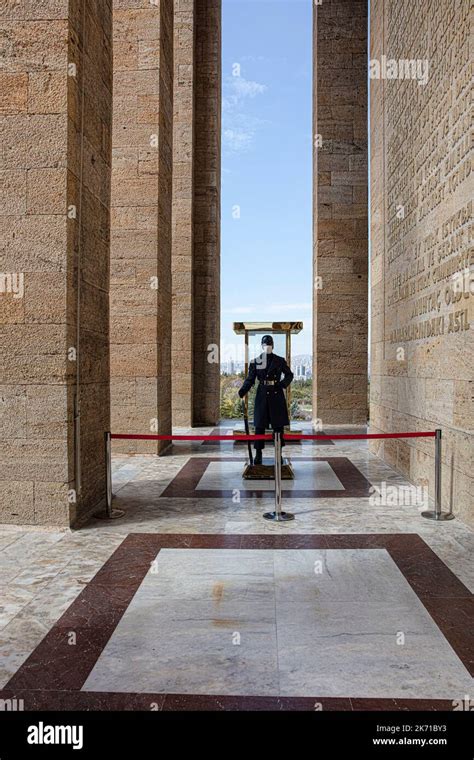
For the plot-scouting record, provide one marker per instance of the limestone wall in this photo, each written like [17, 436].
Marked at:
[422, 365]
[54, 217]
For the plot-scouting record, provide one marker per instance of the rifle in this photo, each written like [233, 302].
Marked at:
[247, 431]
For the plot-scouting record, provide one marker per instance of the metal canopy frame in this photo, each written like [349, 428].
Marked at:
[240, 328]
[277, 328]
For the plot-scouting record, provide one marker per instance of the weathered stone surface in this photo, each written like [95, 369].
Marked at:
[34, 141]
[35, 45]
[47, 411]
[34, 9]
[23, 459]
[13, 93]
[17, 502]
[13, 192]
[51, 504]
[422, 352]
[182, 356]
[340, 213]
[47, 92]
[39, 306]
[13, 408]
[206, 284]
[54, 219]
[140, 291]
[47, 191]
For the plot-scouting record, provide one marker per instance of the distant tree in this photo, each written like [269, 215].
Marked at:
[231, 404]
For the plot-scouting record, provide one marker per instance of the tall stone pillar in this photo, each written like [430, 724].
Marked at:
[340, 212]
[196, 212]
[141, 220]
[207, 183]
[54, 268]
[183, 212]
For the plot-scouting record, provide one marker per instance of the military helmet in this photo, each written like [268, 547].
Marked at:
[267, 340]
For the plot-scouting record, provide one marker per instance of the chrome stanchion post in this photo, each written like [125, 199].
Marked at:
[438, 473]
[108, 473]
[278, 515]
[277, 476]
[437, 513]
[110, 513]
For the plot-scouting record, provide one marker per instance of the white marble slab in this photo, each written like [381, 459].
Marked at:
[288, 622]
[308, 476]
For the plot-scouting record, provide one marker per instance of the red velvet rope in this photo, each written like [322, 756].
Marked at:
[286, 436]
[194, 437]
[360, 436]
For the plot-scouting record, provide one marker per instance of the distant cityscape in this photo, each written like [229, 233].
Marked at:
[301, 364]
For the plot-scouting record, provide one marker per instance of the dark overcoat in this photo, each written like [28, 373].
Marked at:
[270, 408]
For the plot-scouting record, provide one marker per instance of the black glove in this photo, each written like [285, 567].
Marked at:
[241, 393]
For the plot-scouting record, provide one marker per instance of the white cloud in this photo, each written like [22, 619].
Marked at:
[237, 89]
[239, 131]
[239, 127]
[236, 139]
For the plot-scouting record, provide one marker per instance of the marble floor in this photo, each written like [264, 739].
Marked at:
[306, 473]
[141, 611]
[284, 622]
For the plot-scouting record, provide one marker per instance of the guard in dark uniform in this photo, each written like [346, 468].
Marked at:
[270, 404]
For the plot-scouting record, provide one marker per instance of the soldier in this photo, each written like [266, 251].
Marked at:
[270, 404]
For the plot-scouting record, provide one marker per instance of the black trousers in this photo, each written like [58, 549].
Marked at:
[260, 445]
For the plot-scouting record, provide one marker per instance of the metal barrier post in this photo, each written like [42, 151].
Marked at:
[437, 513]
[110, 512]
[278, 515]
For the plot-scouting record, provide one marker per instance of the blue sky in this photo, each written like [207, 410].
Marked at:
[267, 165]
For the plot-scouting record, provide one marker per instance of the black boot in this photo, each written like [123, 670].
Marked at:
[258, 457]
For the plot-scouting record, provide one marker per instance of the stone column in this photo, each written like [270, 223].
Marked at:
[196, 212]
[56, 106]
[340, 212]
[207, 210]
[141, 220]
[183, 212]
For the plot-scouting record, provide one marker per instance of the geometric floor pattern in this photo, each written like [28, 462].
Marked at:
[319, 619]
[193, 601]
[315, 477]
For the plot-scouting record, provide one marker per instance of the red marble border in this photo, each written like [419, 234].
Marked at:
[44, 700]
[52, 676]
[185, 484]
